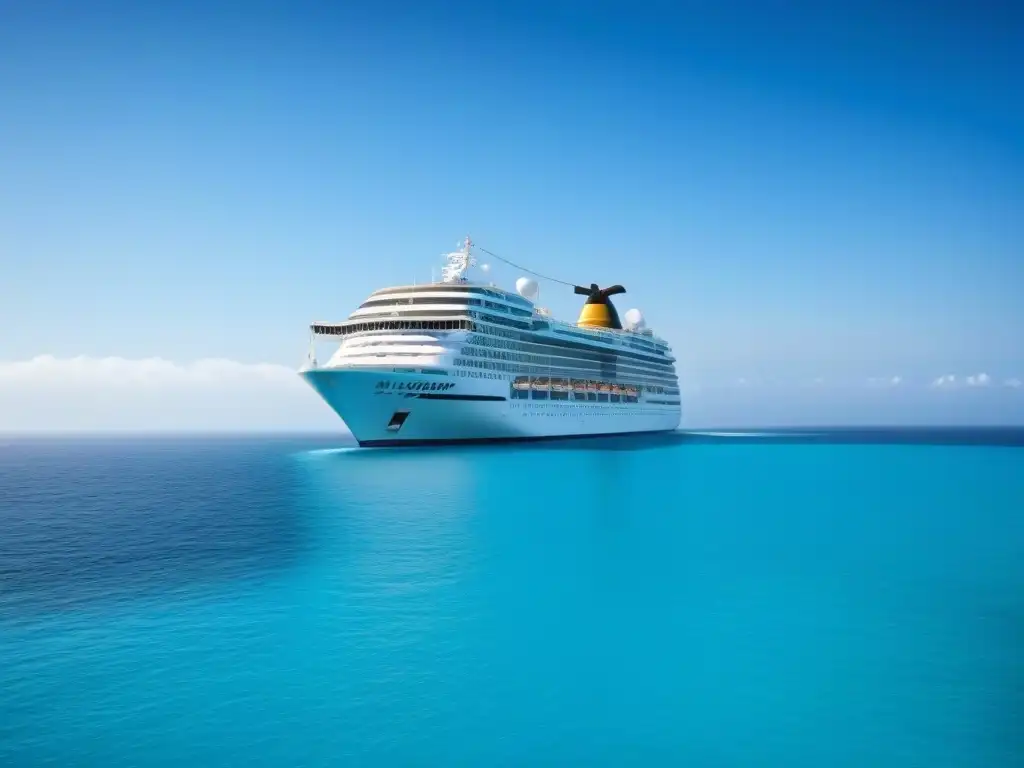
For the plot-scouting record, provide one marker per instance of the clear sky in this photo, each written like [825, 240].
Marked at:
[821, 205]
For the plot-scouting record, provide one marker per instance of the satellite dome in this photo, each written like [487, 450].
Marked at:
[634, 319]
[527, 288]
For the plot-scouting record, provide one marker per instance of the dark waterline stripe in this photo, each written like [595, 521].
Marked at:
[501, 440]
[433, 396]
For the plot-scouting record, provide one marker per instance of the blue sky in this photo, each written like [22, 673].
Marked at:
[789, 192]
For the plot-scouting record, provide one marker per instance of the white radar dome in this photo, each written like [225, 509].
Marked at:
[527, 288]
[634, 319]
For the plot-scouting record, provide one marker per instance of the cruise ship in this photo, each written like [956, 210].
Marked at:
[462, 360]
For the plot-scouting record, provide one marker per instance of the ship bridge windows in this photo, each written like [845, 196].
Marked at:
[473, 290]
[374, 314]
[370, 326]
[459, 300]
[388, 306]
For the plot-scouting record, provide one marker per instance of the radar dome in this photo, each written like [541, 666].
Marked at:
[527, 288]
[634, 319]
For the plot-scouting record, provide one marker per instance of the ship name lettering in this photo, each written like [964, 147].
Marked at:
[414, 386]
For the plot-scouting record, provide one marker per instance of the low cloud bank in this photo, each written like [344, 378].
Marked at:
[114, 393]
[48, 393]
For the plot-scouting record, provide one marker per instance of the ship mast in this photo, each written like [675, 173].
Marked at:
[457, 262]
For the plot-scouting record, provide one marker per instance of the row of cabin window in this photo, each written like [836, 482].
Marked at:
[573, 352]
[593, 397]
[638, 343]
[547, 341]
[571, 362]
[571, 380]
[544, 375]
[595, 356]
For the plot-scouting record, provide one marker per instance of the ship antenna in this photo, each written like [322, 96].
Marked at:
[457, 262]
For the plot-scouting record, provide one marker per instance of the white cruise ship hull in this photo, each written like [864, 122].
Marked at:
[384, 408]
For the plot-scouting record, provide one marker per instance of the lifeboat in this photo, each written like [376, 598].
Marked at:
[542, 385]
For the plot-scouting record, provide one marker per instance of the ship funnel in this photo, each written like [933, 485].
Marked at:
[598, 311]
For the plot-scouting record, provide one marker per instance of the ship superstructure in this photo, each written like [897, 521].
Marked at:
[466, 361]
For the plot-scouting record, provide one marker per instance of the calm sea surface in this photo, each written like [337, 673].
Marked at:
[839, 600]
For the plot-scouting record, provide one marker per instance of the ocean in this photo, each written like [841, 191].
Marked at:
[827, 598]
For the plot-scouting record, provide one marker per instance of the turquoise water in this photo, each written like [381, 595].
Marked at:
[710, 601]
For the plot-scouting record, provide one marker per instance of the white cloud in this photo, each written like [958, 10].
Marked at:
[891, 381]
[149, 371]
[90, 393]
[977, 380]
